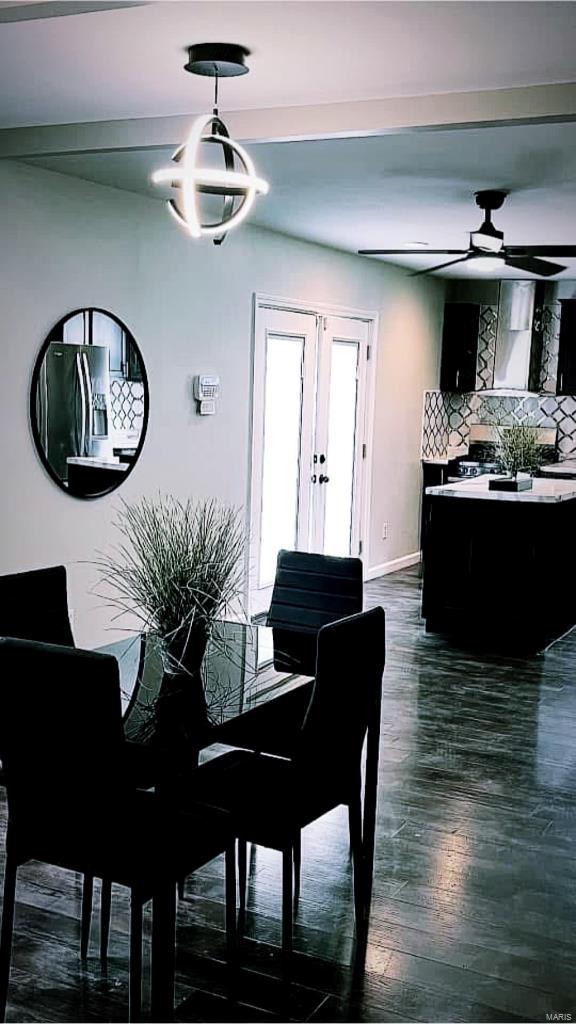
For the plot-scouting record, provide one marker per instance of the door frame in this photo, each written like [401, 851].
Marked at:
[260, 302]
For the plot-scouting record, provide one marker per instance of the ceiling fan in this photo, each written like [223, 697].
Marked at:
[487, 243]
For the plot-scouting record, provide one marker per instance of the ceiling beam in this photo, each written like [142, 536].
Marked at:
[529, 105]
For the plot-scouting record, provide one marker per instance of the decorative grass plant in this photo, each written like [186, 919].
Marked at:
[177, 567]
[517, 449]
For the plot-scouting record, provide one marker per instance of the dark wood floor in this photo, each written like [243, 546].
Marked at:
[474, 912]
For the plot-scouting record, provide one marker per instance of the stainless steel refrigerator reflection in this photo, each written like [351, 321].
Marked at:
[73, 404]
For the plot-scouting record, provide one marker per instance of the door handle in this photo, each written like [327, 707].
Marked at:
[80, 373]
[90, 400]
[323, 479]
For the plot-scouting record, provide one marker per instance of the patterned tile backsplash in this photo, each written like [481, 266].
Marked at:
[486, 347]
[550, 344]
[127, 402]
[448, 416]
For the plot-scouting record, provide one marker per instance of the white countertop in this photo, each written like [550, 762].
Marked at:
[545, 491]
[125, 438]
[94, 463]
[567, 468]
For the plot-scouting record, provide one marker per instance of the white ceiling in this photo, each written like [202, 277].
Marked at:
[349, 193]
[128, 62]
[384, 192]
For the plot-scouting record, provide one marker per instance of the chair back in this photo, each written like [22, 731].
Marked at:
[310, 591]
[61, 737]
[347, 691]
[34, 606]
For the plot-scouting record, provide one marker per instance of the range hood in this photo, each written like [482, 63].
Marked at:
[516, 364]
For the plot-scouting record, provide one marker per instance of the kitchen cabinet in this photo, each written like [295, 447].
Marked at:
[459, 346]
[566, 382]
[434, 474]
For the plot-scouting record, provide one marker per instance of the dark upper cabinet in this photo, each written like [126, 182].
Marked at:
[566, 382]
[459, 346]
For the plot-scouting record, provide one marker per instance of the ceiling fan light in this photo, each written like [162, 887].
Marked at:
[486, 264]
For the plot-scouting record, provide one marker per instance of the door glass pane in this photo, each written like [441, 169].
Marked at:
[74, 331]
[106, 332]
[280, 472]
[341, 445]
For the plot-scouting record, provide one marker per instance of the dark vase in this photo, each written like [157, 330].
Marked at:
[181, 713]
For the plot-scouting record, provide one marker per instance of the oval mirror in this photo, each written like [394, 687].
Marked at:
[89, 402]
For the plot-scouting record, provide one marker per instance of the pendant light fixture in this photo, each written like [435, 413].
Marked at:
[236, 182]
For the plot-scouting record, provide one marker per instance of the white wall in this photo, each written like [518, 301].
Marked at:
[66, 243]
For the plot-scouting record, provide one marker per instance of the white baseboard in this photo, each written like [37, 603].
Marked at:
[387, 567]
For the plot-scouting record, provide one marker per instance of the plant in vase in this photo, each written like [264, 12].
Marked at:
[517, 450]
[177, 567]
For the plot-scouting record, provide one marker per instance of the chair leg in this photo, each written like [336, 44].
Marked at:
[163, 954]
[87, 894]
[351, 830]
[105, 910]
[242, 878]
[135, 983]
[297, 856]
[355, 824]
[7, 929]
[231, 938]
[370, 805]
[287, 904]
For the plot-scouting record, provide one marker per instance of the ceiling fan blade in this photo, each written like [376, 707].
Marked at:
[541, 250]
[412, 252]
[17, 11]
[533, 266]
[440, 266]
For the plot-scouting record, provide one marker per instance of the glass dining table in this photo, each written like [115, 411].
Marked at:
[238, 674]
[249, 703]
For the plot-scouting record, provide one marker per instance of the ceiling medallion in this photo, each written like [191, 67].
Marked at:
[236, 183]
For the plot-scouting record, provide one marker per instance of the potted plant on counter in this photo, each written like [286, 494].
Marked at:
[517, 451]
[178, 566]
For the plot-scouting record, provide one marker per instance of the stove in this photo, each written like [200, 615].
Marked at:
[471, 467]
[464, 468]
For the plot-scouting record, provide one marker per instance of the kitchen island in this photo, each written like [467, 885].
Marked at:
[500, 567]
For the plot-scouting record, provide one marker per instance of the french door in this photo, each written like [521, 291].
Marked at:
[309, 438]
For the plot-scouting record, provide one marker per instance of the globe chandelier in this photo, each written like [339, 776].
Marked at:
[236, 182]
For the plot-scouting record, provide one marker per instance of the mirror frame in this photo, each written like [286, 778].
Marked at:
[32, 403]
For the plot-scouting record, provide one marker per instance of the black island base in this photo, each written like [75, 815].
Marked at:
[500, 568]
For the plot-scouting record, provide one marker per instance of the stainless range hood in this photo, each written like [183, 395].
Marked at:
[514, 364]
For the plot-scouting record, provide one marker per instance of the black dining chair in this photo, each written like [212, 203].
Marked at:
[34, 606]
[62, 706]
[310, 591]
[272, 799]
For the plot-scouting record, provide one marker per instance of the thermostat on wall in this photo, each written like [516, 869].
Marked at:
[206, 391]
